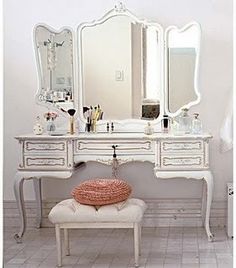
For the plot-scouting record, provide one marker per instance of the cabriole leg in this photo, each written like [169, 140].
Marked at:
[18, 190]
[209, 181]
[203, 207]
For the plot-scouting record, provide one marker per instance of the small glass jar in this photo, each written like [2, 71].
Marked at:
[196, 124]
[185, 122]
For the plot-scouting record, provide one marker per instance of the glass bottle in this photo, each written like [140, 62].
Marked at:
[165, 123]
[148, 130]
[185, 122]
[196, 124]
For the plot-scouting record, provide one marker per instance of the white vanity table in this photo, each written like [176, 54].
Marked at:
[56, 157]
[127, 92]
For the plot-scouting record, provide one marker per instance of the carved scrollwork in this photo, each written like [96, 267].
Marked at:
[125, 146]
[120, 160]
[45, 161]
[178, 146]
[182, 161]
[120, 7]
[37, 146]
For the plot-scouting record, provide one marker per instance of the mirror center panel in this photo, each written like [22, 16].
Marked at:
[121, 68]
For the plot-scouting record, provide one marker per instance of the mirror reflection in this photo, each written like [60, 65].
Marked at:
[121, 68]
[183, 51]
[55, 65]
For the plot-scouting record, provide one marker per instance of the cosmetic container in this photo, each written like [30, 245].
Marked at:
[88, 125]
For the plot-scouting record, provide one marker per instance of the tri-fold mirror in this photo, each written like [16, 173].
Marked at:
[130, 67]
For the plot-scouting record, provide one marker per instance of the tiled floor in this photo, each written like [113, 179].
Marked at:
[161, 247]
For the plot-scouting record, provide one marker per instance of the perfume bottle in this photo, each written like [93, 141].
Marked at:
[196, 124]
[165, 124]
[185, 122]
[148, 130]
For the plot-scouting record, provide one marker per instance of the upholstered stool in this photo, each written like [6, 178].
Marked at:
[70, 214]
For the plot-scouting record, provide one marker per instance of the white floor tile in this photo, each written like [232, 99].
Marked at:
[174, 247]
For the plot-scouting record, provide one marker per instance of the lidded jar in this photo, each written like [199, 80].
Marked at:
[185, 122]
[196, 124]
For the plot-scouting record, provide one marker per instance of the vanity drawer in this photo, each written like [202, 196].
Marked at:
[173, 146]
[45, 162]
[182, 162]
[105, 147]
[45, 146]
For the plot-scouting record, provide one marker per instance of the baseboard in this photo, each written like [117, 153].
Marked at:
[160, 213]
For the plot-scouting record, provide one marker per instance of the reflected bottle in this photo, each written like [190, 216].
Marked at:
[196, 124]
[51, 127]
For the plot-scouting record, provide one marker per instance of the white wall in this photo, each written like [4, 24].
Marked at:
[20, 84]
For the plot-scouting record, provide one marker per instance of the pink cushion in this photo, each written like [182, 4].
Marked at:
[98, 192]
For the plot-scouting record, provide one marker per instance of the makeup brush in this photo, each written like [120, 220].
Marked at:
[71, 112]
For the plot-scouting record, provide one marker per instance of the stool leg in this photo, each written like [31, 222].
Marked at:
[139, 238]
[58, 241]
[66, 239]
[136, 244]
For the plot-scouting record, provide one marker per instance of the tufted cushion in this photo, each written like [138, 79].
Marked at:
[70, 211]
[99, 192]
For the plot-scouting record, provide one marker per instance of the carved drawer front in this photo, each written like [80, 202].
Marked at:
[182, 162]
[45, 162]
[45, 146]
[105, 147]
[182, 146]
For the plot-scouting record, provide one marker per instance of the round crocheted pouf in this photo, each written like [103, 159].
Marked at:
[98, 192]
